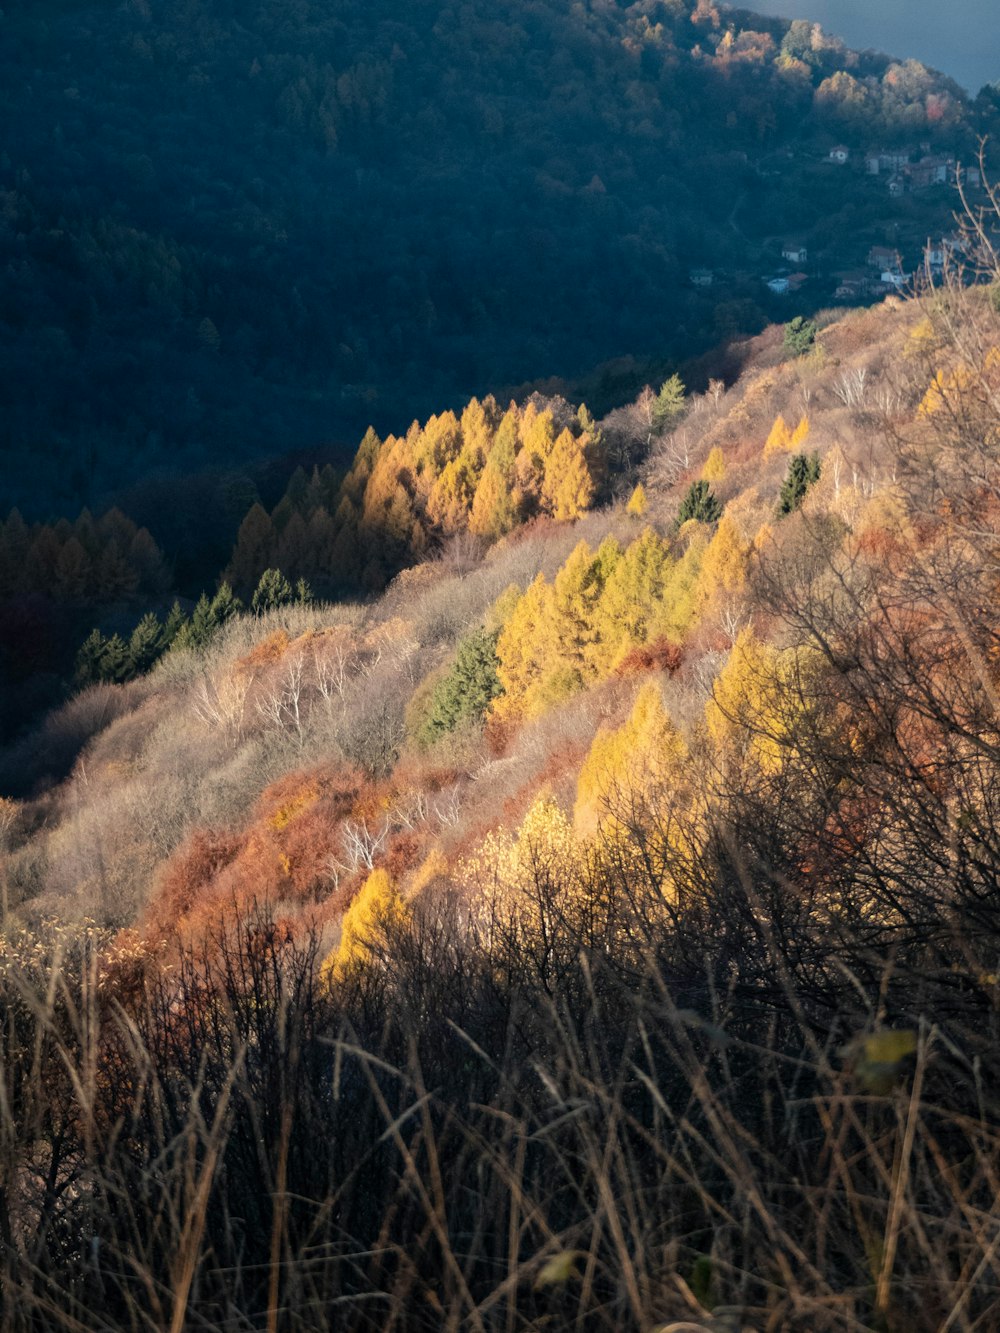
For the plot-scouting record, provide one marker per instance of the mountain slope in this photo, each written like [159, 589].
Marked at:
[317, 220]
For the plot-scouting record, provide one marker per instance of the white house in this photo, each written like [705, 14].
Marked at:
[702, 277]
[840, 154]
[795, 254]
[934, 254]
[894, 278]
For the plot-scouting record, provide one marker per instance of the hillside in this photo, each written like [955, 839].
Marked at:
[597, 928]
[233, 233]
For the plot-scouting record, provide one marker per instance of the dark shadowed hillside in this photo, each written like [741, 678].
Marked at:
[229, 231]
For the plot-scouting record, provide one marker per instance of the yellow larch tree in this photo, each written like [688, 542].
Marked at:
[724, 567]
[632, 599]
[799, 435]
[715, 465]
[626, 764]
[779, 439]
[757, 701]
[377, 911]
[527, 883]
[638, 502]
[567, 484]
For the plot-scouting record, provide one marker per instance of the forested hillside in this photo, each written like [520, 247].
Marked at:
[230, 232]
[598, 928]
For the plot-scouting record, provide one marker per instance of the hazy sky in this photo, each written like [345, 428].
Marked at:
[961, 38]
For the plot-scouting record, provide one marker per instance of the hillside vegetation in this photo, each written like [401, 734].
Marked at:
[598, 929]
[232, 232]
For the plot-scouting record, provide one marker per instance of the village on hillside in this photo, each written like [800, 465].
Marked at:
[907, 232]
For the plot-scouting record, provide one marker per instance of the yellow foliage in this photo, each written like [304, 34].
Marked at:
[944, 391]
[880, 1058]
[779, 440]
[529, 877]
[284, 815]
[626, 764]
[757, 701]
[724, 567]
[799, 435]
[567, 484]
[376, 908]
[921, 338]
[638, 503]
[434, 866]
[681, 604]
[715, 466]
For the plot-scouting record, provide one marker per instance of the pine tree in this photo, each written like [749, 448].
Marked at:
[225, 605]
[116, 663]
[89, 659]
[173, 624]
[803, 472]
[146, 643]
[699, 504]
[800, 334]
[468, 689]
[272, 591]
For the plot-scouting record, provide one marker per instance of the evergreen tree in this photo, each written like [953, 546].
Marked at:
[800, 334]
[272, 591]
[668, 406]
[116, 661]
[803, 472]
[89, 659]
[199, 628]
[146, 643]
[175, 621]
[466, 692]
[700, 504]
[224, 606]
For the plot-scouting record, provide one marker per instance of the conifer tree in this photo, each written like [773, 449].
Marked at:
[700, 504]
[567, 486]
[272, 591]
[146, 643]
[89, 659]
[668, 406]
[779, 438]
[638, 503]
[255, 547]
[724, 566]
[468, 689]
[803, 472]
[377, 911]
[175, 620]
[715, 465]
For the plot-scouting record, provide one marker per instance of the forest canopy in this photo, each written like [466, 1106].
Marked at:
[230, 232]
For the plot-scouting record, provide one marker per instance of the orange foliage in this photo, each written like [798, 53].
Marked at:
[662, 655]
